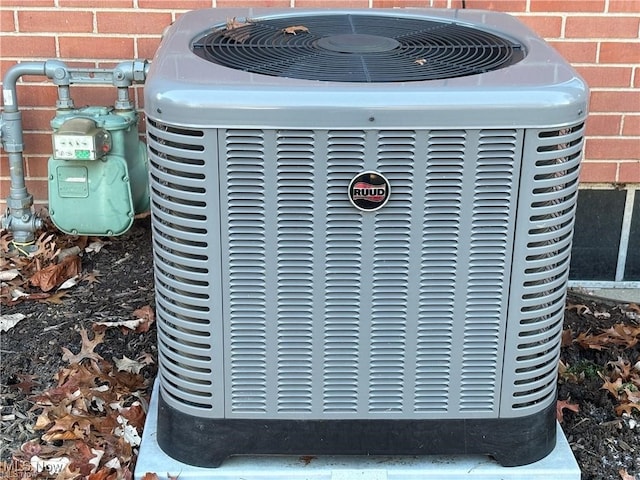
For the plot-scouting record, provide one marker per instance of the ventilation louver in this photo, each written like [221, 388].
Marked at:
[424, 319]
[357, 48]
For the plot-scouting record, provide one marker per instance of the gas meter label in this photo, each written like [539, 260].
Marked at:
[73, 182]
[369, 191]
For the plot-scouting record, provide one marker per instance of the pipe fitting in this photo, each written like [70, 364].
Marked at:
[127, 73]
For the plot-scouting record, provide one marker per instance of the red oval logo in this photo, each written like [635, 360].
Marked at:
[369, 191]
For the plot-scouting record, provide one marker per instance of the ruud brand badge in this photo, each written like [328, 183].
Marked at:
[369, 191]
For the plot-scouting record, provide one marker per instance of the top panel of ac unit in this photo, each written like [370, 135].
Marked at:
[268, 59]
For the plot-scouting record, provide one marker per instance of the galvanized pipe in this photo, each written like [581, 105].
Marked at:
[20, 219]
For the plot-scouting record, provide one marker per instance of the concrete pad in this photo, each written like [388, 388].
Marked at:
[560, 464]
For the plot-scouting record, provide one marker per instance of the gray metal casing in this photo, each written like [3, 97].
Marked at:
[277, 299]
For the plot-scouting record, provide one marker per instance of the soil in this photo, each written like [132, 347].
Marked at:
[605, 444]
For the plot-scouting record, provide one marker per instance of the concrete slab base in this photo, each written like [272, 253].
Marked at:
[560, 464]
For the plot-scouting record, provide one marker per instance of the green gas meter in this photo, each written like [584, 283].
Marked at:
[98, 173]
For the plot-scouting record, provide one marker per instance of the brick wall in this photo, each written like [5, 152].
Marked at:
[599, 37]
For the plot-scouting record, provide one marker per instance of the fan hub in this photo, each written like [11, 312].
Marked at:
[357, 43]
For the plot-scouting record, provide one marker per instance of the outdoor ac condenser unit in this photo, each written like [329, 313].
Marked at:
[362, 227]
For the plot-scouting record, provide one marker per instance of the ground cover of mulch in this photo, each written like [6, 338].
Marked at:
[77, 363]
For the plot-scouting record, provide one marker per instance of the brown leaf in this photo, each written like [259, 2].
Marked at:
[613, 387]
[92, 277]
[567, 337]
[54, 436]
[232, 32]
[26, 383]
[104, 474]
[147, 316]
[626, 476]
[295, 29]
[627, 408]
[561, 405]
[420, 61]
[150, 476]
[56, 298]
[50, 277]
[86, 349]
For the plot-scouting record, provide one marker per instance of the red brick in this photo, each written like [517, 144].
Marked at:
[96, 47]
[602, 26]
[5, 186]
[93, 3]
[55, 21]
[619, 52]
[598, 172]
[334, 3]
[30, 95]
[615, 101]
[545, 26]
[39, 189]
[183, 4]
[600, 76]
[636, 76]
[132, 22]
[4, 167]
[612, 149]
[37, 143]
[28, 3]
[36, 166]
[98, 95]
[7, 24]
[37, 119]
[498, 5]
[567, 6]
[630, 6]
[604, 125]
[629, 172]
[631, 126]
[147, 47]
[24, 46]
[577, 52]
[399, 3]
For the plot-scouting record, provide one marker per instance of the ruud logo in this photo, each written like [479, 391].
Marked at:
[369, 191]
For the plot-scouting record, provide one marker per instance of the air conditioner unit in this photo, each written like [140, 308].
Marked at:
[362, 227]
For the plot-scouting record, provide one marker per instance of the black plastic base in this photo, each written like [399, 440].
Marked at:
[206, 442]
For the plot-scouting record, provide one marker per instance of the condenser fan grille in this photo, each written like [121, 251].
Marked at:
[356, 48]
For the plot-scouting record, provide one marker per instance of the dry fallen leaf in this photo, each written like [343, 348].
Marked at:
[10, 320]
[232, 31]
[295, 29]
[50, 277]
[561, 405]
[147, 316]
[420, 61]
[125, 364]
[86, 349]
[626, 476]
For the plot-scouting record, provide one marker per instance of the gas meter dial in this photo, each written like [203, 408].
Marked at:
[80, 139]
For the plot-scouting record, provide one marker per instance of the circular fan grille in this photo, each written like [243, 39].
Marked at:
[356, 48]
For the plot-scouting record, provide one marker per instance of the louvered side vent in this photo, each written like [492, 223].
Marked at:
[547, 227]
[489, 263]
[181, 256]
[248, 255]
[332, 313]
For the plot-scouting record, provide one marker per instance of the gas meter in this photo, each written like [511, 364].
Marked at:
[98, 171]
